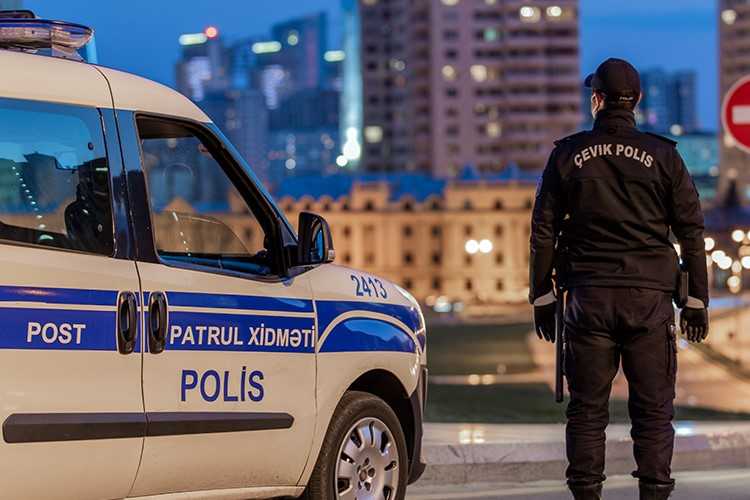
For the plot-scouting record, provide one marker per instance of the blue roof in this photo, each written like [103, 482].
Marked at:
[418, 186]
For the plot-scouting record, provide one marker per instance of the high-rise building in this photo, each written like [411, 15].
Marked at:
[449, 83]
[203, 66]
[734, 64]
[304, 134]
[11, 4]
[668, 104]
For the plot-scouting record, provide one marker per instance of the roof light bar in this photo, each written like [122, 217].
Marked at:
[19, 30]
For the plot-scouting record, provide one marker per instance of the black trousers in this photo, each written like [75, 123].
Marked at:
[606, 326]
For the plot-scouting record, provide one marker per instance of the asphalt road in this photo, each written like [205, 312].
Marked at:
[717, 484]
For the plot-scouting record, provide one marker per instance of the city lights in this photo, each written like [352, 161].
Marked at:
[738, 235]
[729, 16]
[352, 149]
[471, 247]
[341, 161]
[734, 283]
[266, 47]
[374, 134]
[449, 72]
[710, 243]
[211, 32]
[334, 56]
[192, 39]
[479, 72]
[450, 2]
[292, 38]
[530, 14]
[745, 262]
[491, 35]
[554, 11]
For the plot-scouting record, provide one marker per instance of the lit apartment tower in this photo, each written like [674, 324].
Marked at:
[11, 4]
[734, 57]
[304, 42]
[449, 83]
[203, 66]
[668, 104]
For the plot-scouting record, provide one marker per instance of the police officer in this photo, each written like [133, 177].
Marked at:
[605, 207]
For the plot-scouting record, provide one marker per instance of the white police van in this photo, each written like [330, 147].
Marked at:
[164, 332]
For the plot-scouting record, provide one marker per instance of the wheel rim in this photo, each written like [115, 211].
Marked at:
[368, 463]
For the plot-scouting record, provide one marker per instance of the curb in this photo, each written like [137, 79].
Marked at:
[534, 461]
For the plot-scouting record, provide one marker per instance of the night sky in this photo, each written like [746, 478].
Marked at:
[140, 36]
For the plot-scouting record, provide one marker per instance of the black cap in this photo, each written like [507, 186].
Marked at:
[617, 79]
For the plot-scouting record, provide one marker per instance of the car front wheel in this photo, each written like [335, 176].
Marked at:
[363, 456]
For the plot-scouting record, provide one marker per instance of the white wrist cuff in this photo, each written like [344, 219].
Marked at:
[545, 300]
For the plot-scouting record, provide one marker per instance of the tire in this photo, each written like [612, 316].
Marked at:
[356, 414]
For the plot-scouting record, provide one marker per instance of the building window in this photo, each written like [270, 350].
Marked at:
[437, 284]
[347, 258]
[248, 234]
[370, 259]
[468, 205]
[435, 205]
[347, 231]
[407, 231]
[408, 283]
[479, 73]
[499, 258]
[499, 204]
[499, 285]
[468, 230]
[498, 230]
[436, 231]
[408, 206]
[408, 258]
[449, 73]
[529, 14]
[468, 260]
[369, 206]
[469, 285]
[451, 92]
[436, 258]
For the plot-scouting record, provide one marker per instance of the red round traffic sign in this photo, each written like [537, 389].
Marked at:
[735, 113]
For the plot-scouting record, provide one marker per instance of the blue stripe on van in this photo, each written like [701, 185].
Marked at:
[58, 295]
[55, 329]
[191, 331]
[365, 335]
[281, 304]
[329, 310]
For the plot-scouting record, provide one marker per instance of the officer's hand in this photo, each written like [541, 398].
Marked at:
[694, 323]
[544, 322]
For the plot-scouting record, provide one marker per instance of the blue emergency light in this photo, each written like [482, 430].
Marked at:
[21, 30]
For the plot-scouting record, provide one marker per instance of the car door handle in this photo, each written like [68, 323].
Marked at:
[157, 322]
[127, 322]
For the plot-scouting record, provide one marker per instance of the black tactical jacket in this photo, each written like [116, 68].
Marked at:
[605, 206]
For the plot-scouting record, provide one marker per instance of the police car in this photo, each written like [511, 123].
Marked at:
[164, 331]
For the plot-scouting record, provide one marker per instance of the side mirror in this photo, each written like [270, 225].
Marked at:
[315, 242]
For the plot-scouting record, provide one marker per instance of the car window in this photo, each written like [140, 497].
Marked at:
[54, 177]
[199, 216]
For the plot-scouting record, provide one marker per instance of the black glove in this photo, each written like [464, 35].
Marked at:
[694, 323]
[544, 321]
